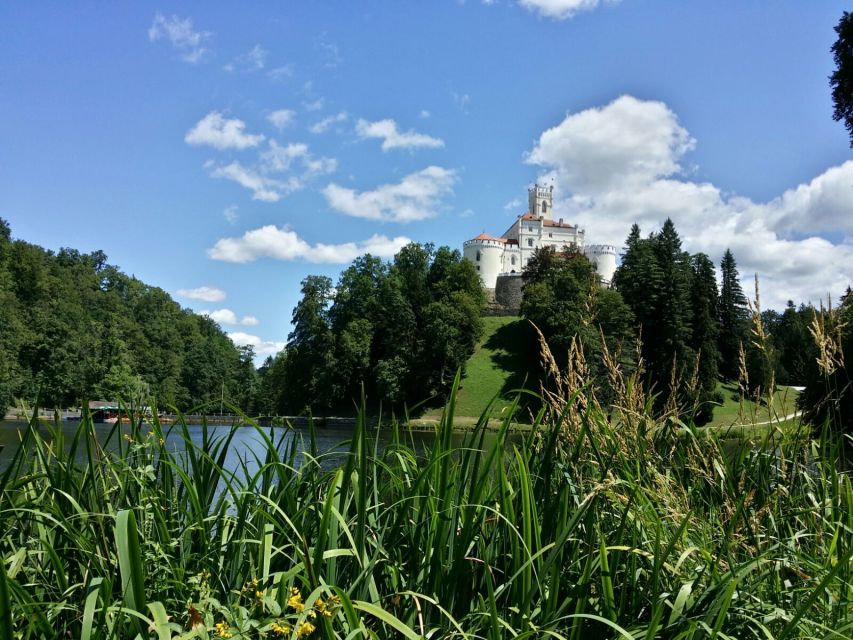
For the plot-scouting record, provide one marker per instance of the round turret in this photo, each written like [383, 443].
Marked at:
[603, 257]
[486, 253]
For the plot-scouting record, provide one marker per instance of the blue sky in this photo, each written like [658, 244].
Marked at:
[225, 152]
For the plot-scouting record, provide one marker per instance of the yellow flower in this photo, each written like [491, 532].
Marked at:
[280, 630]
[222, 630]
[295, 600]
[305, 628]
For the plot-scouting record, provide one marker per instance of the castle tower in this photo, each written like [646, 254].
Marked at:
[603, 258]
[540, 201]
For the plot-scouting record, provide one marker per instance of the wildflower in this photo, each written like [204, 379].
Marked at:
[280, 630]
[323, 607]
[250, 587]
[222, 630]
[305, 628]
[295, 600]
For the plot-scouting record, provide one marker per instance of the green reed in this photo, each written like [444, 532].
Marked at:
[587, 526]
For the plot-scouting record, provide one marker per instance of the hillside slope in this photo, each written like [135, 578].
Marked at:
[501, 363]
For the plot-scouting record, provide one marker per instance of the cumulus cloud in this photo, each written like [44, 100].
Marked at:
[222, 133]
[189, 43]
[623, 163]
[559, 9]
[597, 149]
[392, 138]
[263, 187]
[281, 118]
[260, 346]
[228, 317]
[282, 243]
[265, 179]
[417, 197]
[206, 294]
[253, 60]
[323, 125]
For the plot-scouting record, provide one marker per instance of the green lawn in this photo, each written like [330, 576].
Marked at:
[750, 418]
[498, 366]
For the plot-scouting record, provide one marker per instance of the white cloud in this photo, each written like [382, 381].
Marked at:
[425, 114]
[253, 60]
[559, 9]
[181, 35]
[226, 316]
[416, 197]
[279, 158]
[323, 125]
[230, 213]
[261, 347]
[619, 164]
[282, 243]
[206, 294]
[386, 130]
[513, 204]
[221, 133]
[281, 118]
[262, 178]
[314, 105]
[597, 149]
[263, 187]
[280, 72]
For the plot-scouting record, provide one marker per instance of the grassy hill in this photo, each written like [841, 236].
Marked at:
[507, 359]
[500, 364]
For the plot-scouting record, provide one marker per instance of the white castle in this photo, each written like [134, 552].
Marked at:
[505, 257]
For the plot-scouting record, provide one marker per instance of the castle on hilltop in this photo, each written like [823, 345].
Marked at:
[500, 261]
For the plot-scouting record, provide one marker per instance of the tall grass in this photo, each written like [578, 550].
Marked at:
[595, 524]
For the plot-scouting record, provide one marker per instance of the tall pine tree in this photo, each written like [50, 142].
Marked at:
[706, 331]
[733, 317]
[655, 280]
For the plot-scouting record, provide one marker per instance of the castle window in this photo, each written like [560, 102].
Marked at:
[550, 235]
[512, 260]
[544, 207]
[478, 257]
[530, 242]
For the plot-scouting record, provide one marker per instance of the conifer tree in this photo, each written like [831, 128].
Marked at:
[706, 330]
[655, 281]
[733, 317]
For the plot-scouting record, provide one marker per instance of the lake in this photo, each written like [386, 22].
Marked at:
[332, 441]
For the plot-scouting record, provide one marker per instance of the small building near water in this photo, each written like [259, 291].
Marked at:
[103, 410]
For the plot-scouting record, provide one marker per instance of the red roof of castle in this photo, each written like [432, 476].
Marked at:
[486, 236]
[547, 222]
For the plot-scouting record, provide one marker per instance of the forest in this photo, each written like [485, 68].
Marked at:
[666, 314]
[74, 327]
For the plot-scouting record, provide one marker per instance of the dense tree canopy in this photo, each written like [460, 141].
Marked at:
[564, 299]
[73, 327]
[828, 397]
[841, 79]
[401, 329]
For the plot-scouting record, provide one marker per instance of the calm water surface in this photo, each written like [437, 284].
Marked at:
[332, 442]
